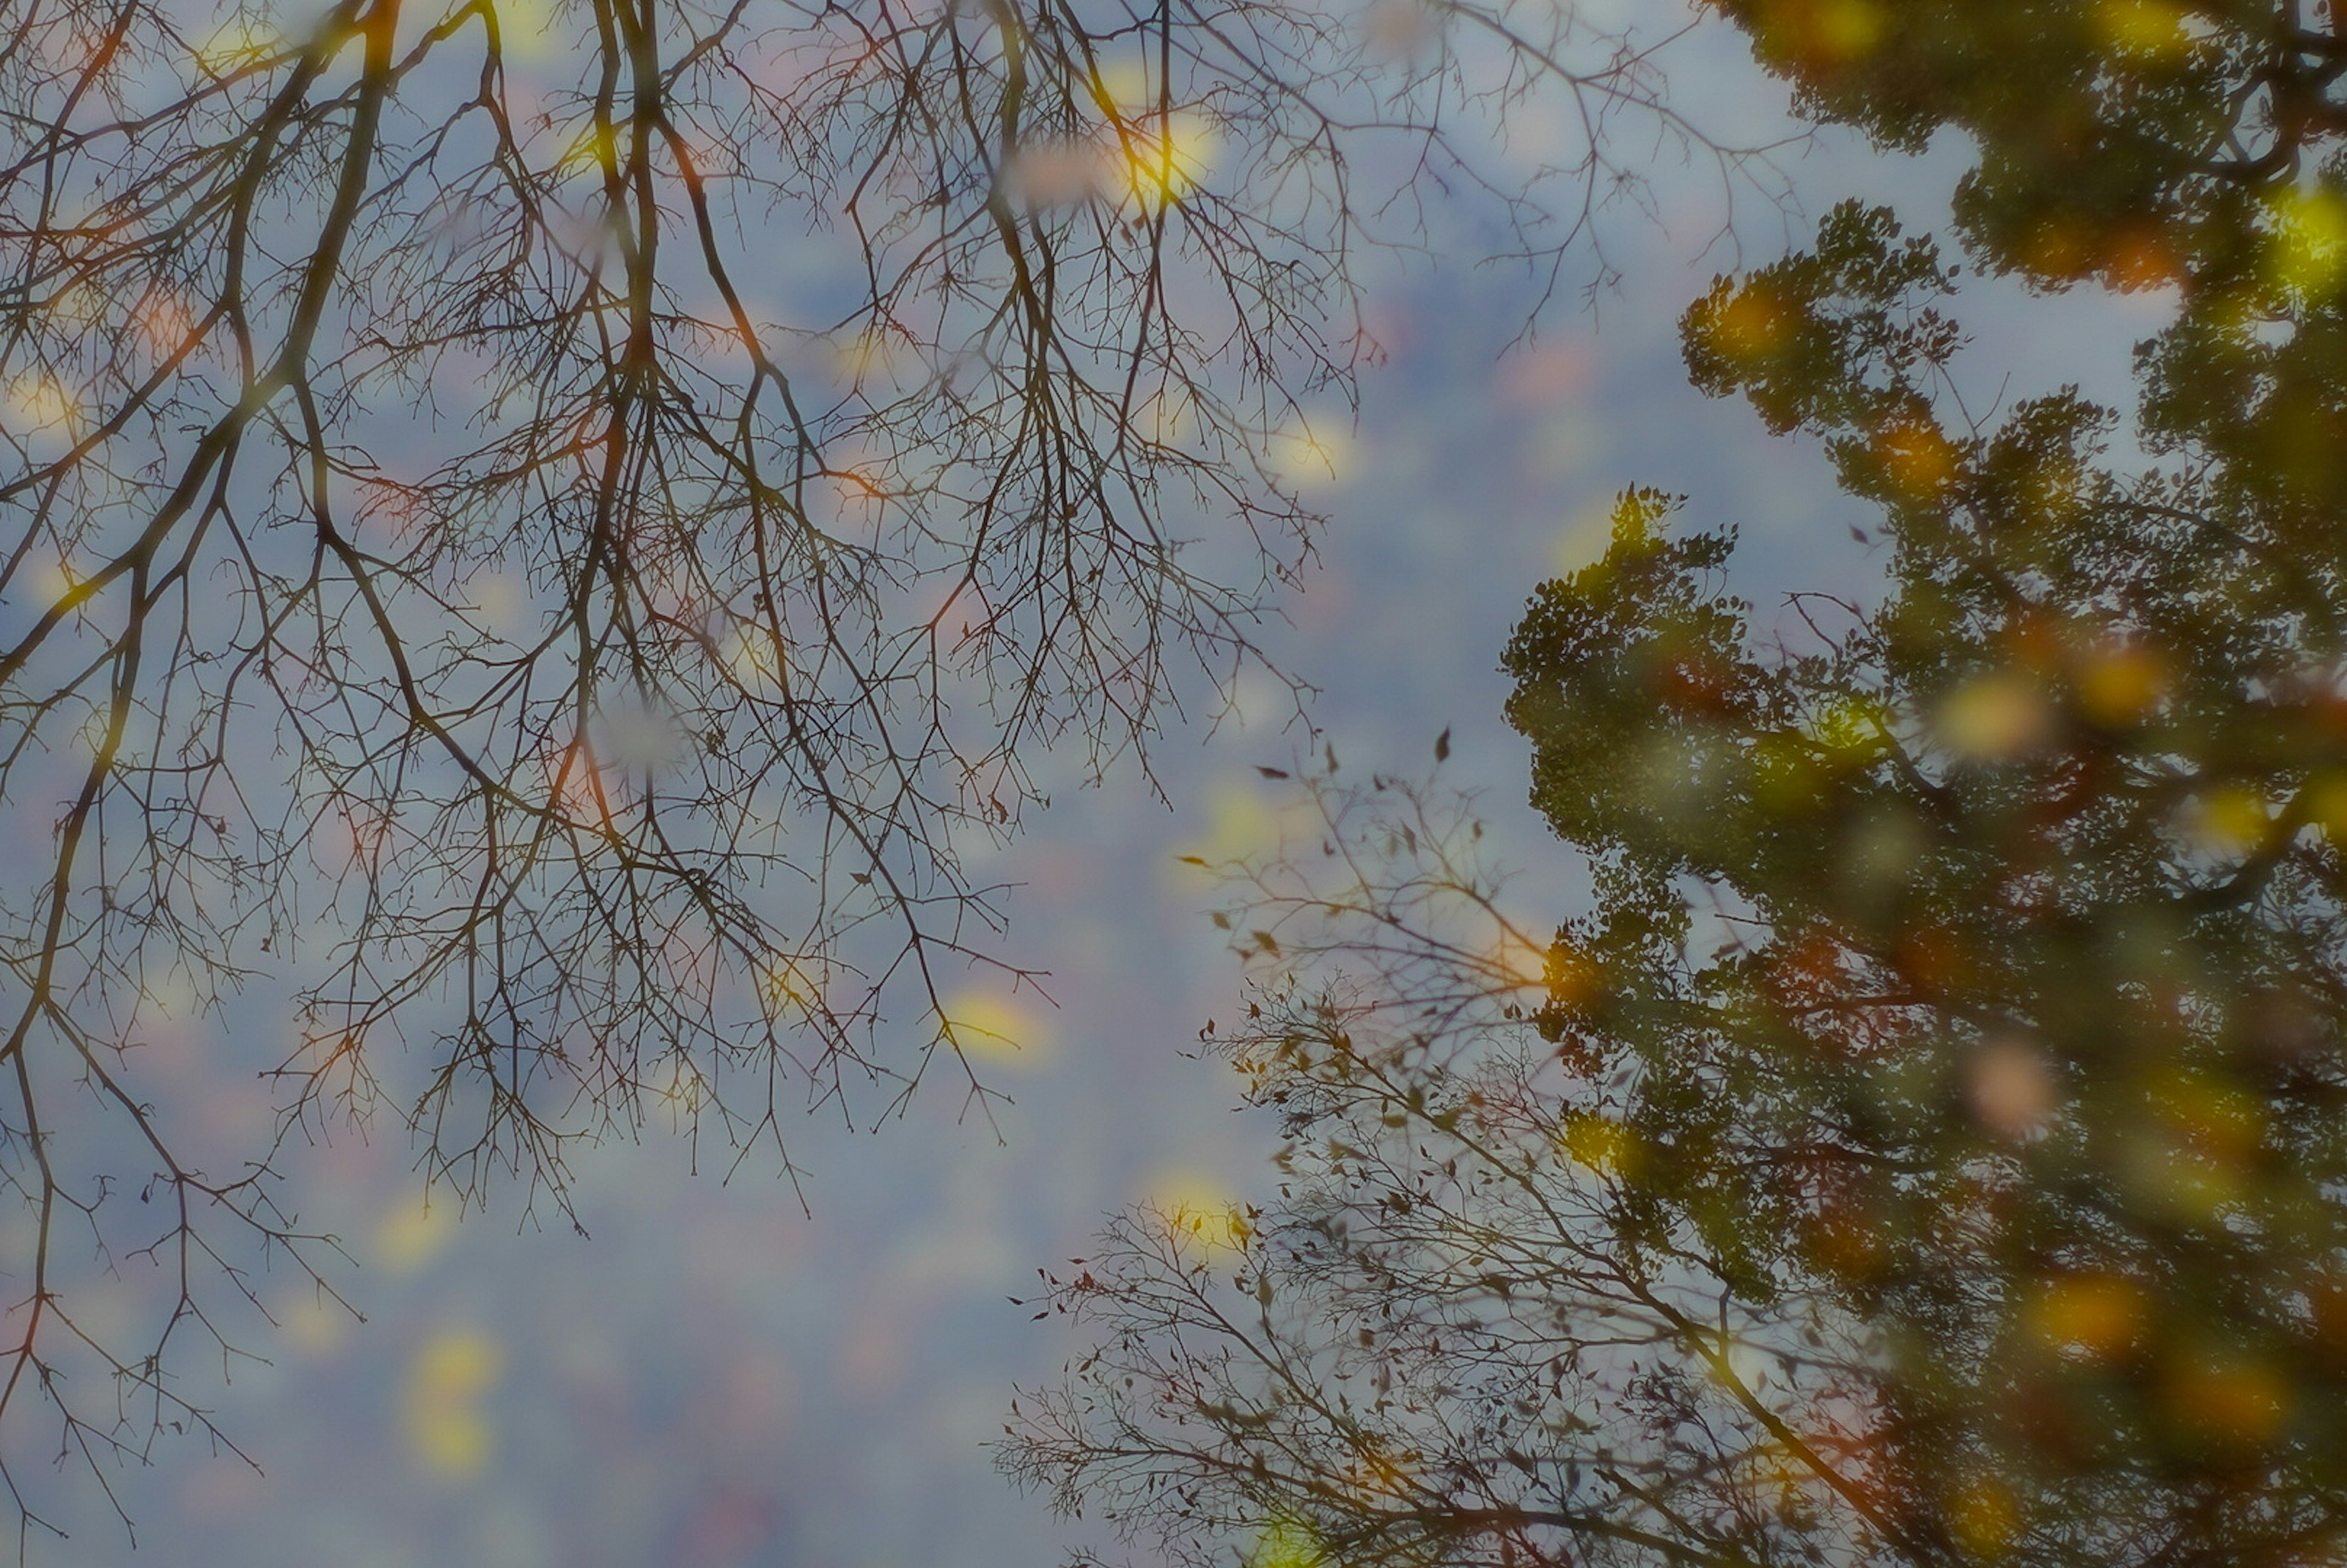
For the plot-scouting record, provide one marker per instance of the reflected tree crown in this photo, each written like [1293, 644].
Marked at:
[550, 528]
[1926, 1147]
[2147, 144]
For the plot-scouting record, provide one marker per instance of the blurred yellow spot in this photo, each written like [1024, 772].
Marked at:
[1239, 826]
[37, 400]
[867, 355]
[318, 1326]
[171, 996]
[788, 983]
[988, 1027]
[2088, 1316]
[2152, 28]
[2217, 1119]
[677, 1083]
[1750, 323]
[1848, 29]
[1599, 1143]
[1984, 1516]
[595, 145]
[2183, 1181]
[1195, 1205]
[1309, 459]
[755, 661]
[1786, 775]
[446, 1382]
[2013, 1090]
[2056, 486]
[236, 42]
[52, 580]
[1121, 90]
[1287, 1543]
[2229, 1399]
[1377, 1474]
[1517, 961]
[1169, 416]
[1917, 456]
[526, 29]
[409, 1236]
[1164, 159]
[2324, 800]
[1848, 729]
[1583, 541]
[2309, 241]
[2233, 819]
[2120, 683]
[1994, 716]
[1572, 975]
[1824, 31]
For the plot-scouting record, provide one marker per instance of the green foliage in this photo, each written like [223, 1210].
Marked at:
[2116, 137]
[2028, 952]
[1926, 1146]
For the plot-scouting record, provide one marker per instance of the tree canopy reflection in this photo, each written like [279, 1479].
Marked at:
[1926, 1148]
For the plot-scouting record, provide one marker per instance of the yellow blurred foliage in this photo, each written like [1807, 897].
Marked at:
[1239, 826]
[1751, 323]
[1517, 961]
[1600, 1142]
[1826, 32]
[2121, 684]
[2153, 27]
[450, 1375]
[2089, 1316]
[2229, 1399]
[987, 1027]
[2230, 820]
[1312, 459]
[1198, 1205]
[37, 400]
[235, 43]
[2324, 802]
[2309, 241]
[1287, 1543]
[317, 1325]
[2217, 1119]
[1993, 717]
[526, 29]
[1918, 459]
[409, 1236]
[1160, 160]
[1984, 1516]
[1121, 89]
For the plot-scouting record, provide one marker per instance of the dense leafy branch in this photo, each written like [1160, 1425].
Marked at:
[1925, 1145]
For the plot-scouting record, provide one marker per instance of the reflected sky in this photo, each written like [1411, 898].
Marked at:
[720, 1376]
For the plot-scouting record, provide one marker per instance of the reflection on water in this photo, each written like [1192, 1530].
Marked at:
[1927, 1146]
